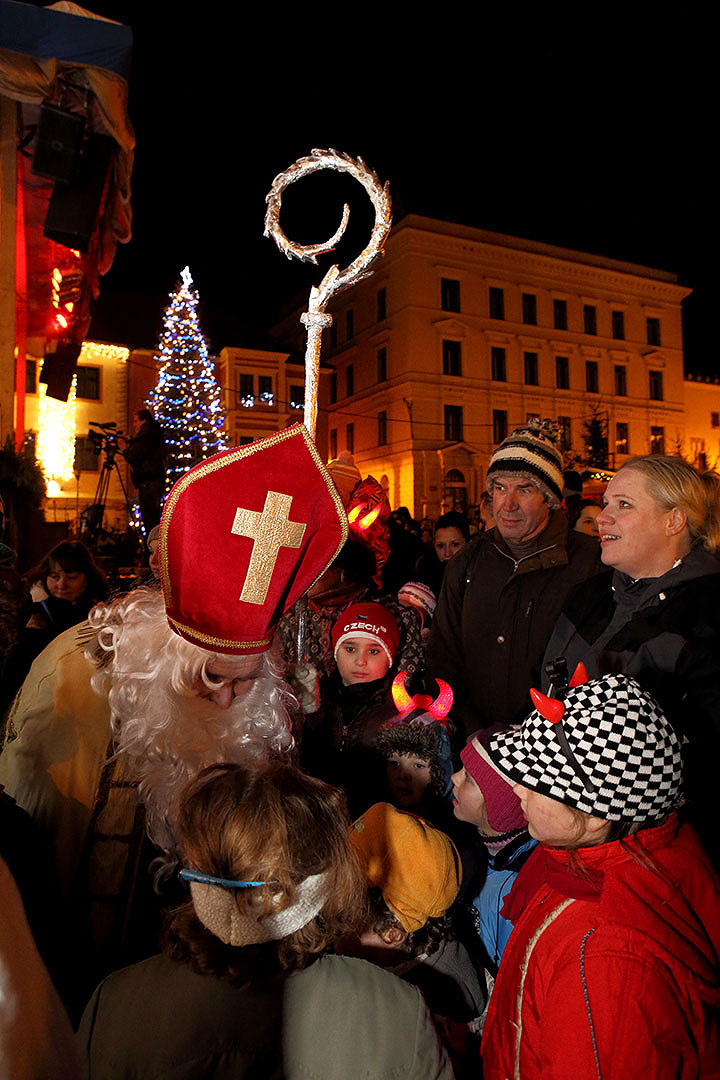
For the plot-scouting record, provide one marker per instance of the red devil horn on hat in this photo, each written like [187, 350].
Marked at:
[442, 704]
[400, 696]
[579, 676]
[438, 709]
[549, 708]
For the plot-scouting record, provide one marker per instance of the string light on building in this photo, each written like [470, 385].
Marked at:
[186, 400]
[55, 446]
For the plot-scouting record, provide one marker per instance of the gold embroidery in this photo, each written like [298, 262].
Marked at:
[270, 530]
[197, 636]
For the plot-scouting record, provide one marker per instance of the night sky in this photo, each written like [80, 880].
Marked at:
[591, 135]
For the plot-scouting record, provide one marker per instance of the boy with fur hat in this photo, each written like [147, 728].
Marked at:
[417, 751]
[414, 874]
[339, 742]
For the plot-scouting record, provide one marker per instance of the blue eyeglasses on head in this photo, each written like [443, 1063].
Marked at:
[207, 879]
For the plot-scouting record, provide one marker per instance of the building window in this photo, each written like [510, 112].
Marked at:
[653, 331]
[453, 423]
[529, 308]
[657, 440]
[381, 305]
[498, 365]
[246, 389]
[349, 324]
[86, 459]
[382, 429]
[560, 314]
[590, 319]
[620, 380]
[333, 443]
[562, 372]
[449, 294]
[382, 365]
[349, 380]
[592, 384]
[500, 425]
[715, 419]
[618, 325]
[297, 396]
[350, 438]
[656, 386]
[497, 303]
[452, 357]
[531, 368]
[565, 432]
[31, 376]
[622, 439]
[333, 387]
[88, 383]
[265, 390]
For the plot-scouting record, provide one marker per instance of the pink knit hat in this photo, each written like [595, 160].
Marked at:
[504, 812]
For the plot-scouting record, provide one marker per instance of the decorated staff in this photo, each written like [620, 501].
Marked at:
[316, 318]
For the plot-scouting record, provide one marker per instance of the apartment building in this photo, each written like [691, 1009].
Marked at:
[463, 334]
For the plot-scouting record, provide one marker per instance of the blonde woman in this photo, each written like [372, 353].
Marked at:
[655, 613]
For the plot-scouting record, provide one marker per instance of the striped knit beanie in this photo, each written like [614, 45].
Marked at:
[531, 450]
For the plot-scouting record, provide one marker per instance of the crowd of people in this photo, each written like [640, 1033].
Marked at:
[341, 794]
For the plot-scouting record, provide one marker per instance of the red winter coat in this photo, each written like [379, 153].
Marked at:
[638, 968]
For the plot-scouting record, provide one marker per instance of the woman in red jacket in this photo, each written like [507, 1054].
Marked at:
[612, 969]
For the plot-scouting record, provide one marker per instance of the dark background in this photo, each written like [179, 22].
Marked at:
[575, 127]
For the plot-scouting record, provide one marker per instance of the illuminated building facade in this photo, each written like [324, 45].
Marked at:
[463, 334]
[264, 391]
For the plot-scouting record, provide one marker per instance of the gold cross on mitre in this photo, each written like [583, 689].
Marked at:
[270, 530]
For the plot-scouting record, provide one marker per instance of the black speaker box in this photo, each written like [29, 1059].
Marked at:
[58, 370]
[59, 137]
[73, 210]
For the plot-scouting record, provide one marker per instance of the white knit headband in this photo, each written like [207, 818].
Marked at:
[215, 908]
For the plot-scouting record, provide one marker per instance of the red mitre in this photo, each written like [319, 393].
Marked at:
[243, 535]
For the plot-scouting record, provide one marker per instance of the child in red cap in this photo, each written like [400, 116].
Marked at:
[339, 742]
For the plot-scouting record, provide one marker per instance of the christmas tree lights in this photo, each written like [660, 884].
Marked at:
[186, 400]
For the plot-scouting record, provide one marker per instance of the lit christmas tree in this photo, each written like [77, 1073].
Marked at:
[186, 400]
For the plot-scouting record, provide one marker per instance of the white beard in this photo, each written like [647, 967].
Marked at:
[173, 736]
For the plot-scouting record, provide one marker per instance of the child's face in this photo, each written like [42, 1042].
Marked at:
[469, 803]
[360, 660]
[408, 777]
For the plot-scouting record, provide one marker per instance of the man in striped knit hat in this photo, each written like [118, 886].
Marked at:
[504, 590]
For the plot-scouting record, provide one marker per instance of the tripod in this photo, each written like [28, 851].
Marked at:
[95, 513]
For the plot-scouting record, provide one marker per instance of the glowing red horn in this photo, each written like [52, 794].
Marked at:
[400, 696]
[549, 708]
[442, 704]
[579, 676]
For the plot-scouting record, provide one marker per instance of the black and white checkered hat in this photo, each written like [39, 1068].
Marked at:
[624, 745]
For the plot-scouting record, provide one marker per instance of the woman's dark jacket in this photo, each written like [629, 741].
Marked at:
[666, 633]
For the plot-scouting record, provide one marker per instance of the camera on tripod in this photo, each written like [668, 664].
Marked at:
[105, 438]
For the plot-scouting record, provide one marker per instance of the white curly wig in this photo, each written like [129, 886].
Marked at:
[155, 682]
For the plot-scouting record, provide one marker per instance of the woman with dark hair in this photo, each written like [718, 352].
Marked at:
[452, 532]
[243, 988]
[612, 968]
[72, 583]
